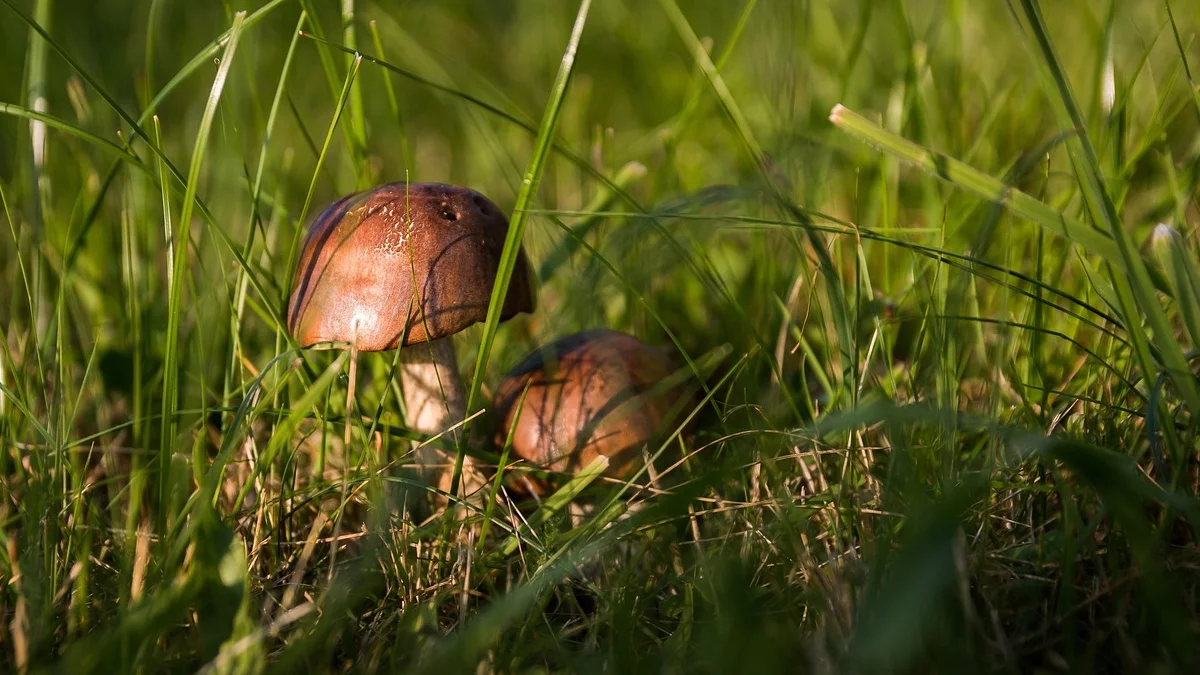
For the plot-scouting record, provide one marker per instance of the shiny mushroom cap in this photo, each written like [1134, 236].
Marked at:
[593, 393]
[401, 264]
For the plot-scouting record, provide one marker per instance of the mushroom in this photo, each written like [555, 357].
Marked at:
[599, 392]
[406, 265]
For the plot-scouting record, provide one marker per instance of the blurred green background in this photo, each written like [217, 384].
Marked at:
[935, 72]
[937, 451]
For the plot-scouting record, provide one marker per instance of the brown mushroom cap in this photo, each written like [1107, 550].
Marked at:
[592, 393]
[367, 254]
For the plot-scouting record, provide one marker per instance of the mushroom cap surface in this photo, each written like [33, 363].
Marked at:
[599, 392]
[403, 263]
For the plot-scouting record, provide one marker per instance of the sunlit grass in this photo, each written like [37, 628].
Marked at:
[930, 270]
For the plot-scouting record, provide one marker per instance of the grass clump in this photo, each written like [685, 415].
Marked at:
[931, 270]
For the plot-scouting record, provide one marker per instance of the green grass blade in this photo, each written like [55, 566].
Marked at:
[269, 129]
[204, 57]
[992, 469]
[83, 134]
[390, 89]
[462, 651]
[501, 465]
[312, 184]
[1126, 494]
[243, 278]
[327, 65]
[557, 502]
[592, 215]
[179, 265]
[583, 164]
[829, 272]
[1183, 58]
[208, 486]
[1132, 279]
[945, 256]
[36, 96]
[91, 81]
[11, 398]
[963, 176]
[299, 410]
[358, 127]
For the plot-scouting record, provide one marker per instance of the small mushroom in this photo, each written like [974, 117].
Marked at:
[599, 392]
[406, 265]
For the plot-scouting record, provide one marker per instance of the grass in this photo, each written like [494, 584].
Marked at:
[932, 269]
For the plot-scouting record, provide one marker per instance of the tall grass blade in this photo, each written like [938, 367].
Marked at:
[358, 127]
[1131, 276]
[205, 56]
[838, 305]
[312, 184]
[50, 122]
[327, 65]
[179, 272]
[406, 152]
[516, 226]
[963, 176]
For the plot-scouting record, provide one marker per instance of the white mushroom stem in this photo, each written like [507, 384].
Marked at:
[433, 391]
[435, 400]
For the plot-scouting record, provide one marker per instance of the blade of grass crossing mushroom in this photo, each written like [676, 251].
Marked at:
[1131, 276]
[174, 308]
[312, 186]
[516, 227]
[634, 292]
[611, 509]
